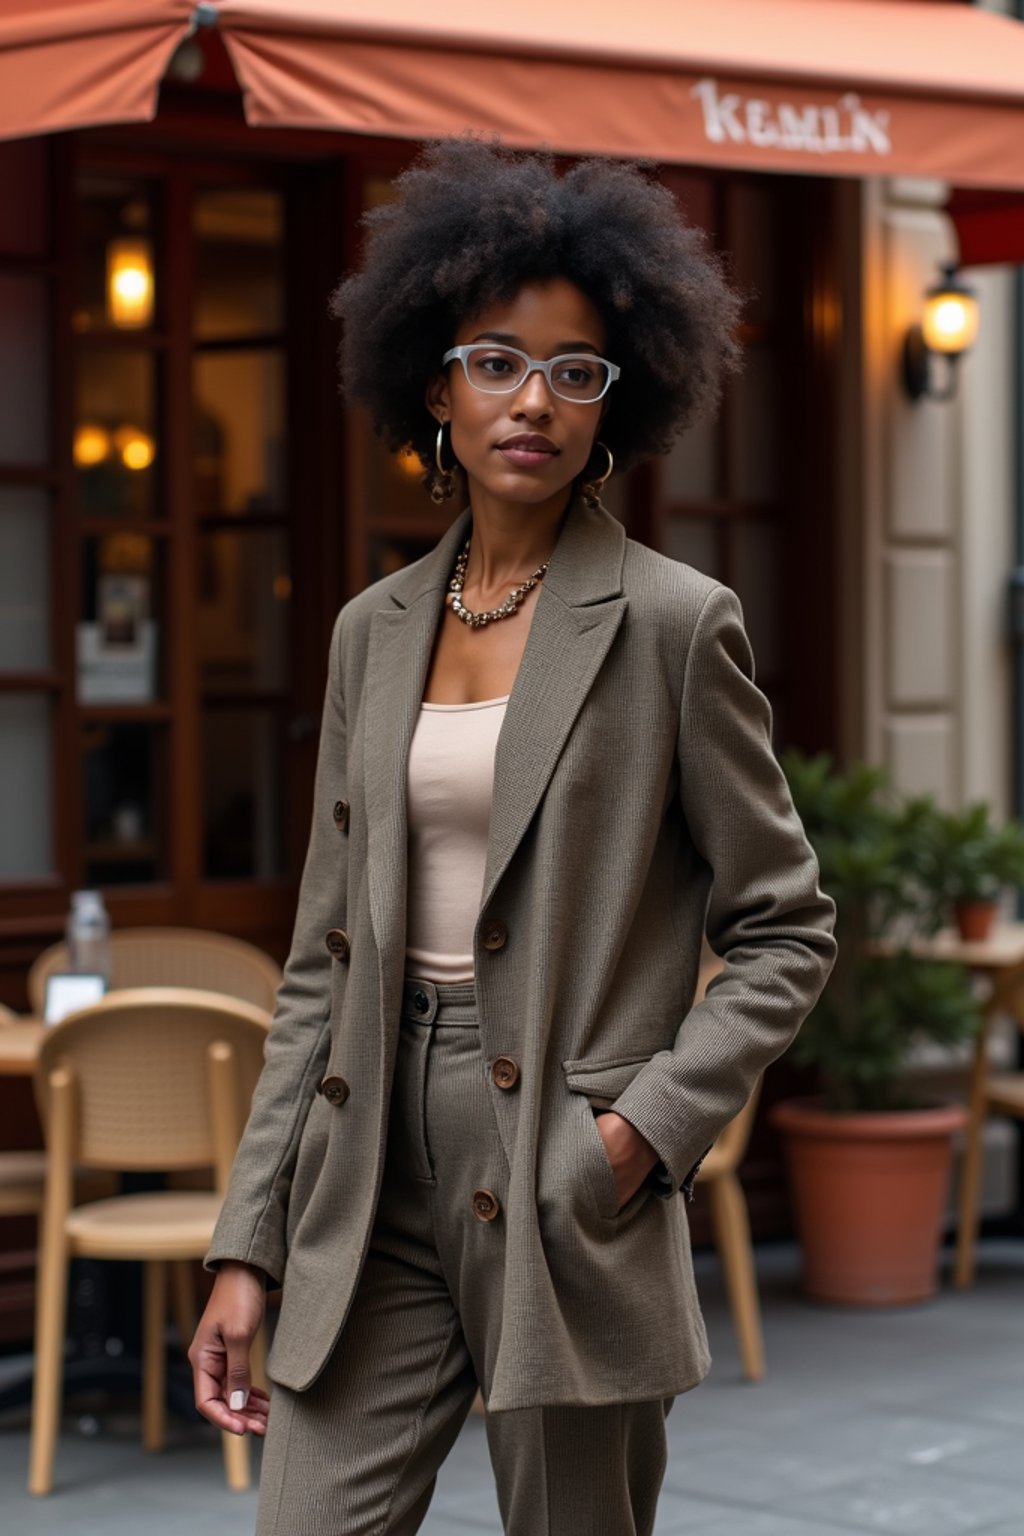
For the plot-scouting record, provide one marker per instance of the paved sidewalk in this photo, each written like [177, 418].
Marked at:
[908, 1421]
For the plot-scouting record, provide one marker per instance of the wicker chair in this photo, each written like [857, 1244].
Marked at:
[731, 1226]
[149, 1079]
[22, 1174]
[729, 1219]
[173, 957]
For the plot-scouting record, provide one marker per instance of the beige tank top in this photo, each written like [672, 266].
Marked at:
[451, 777]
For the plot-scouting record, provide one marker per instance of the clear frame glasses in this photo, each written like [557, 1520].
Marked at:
[499, 370]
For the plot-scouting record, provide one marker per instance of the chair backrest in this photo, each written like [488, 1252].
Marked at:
[144, 1090]
[173, 957]
[7, 1016]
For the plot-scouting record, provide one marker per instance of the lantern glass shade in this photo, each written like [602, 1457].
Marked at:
[129, 283]
[950, 320]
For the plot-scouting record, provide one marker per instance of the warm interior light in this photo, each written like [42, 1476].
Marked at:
[129, 283]
[136, 448]
[950, 320]
[409, 463]
[91, 446]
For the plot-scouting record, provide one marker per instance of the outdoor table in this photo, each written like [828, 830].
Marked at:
[19, 1046]
[1000, 958]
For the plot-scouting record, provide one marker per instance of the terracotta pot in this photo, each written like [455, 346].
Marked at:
[974, 918]
[869, 1195]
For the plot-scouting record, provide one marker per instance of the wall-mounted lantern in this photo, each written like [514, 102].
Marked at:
[129, 283]
[948, 328]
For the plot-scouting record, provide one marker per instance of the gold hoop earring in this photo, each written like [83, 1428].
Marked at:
[442, 488]
[591, 489]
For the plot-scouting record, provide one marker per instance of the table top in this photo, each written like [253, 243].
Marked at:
[1003, 949]
[19, 1046]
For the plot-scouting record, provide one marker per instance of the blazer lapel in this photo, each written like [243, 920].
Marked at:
[563, 655]
[576, 618]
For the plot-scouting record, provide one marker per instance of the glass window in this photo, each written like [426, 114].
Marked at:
[122, 818]
[117, 281]
[758, 428]
[394, 481]
[24, 579]
[26, 772]
[243, 783]
[691, 468]
[239, 263]
[24, 221]
[119, 630]
[115, 447]
[756, 579]
[243, 611]
[753, 222]
[24, 370]
[240, 431]
[695, 541]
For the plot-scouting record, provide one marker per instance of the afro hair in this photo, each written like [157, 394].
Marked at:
[473, 222]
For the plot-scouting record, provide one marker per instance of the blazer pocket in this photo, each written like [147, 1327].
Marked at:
[603, 1081]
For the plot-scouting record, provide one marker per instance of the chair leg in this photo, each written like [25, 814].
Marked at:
[154, 1362]
[51, 1310]
[732, 1237]
[183, 1300]
[236, 1460]
[969, 1203]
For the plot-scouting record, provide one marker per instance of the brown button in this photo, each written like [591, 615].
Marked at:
[334, 1089]
[494, 934]
[337, 943]
[485, 1205]
[505, 1072]
[341, 815]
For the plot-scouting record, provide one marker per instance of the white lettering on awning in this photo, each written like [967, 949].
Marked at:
[822, 130]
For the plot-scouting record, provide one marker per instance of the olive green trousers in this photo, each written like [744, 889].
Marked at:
[358, 1453]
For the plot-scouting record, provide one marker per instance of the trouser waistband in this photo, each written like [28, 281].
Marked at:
[438, 1002]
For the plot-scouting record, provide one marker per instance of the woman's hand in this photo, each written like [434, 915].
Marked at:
[631, 1155]
[219, 1354]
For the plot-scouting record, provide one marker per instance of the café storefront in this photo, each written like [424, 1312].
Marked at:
[185, 503]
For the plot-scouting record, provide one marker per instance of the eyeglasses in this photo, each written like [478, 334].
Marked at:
[578, 376]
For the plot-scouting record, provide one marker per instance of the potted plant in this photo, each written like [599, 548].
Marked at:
[869, 1160]
[974, 859]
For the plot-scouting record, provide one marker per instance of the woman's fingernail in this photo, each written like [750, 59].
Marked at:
[238, 1400]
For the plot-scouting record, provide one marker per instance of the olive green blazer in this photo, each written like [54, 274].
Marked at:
[637, 805]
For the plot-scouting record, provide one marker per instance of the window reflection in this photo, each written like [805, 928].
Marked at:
[24, 579]
[243, 615]
[26, 771]
[115, 447]
[243, 781]
[239, 276]
[120, 781]
[24, 370]
[239, 431]
[115, 244]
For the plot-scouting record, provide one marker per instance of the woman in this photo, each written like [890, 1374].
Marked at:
[544, 771]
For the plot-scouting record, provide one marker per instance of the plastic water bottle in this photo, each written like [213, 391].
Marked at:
[88, 935]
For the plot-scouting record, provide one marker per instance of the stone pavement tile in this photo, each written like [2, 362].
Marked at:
[999, 1459]
[823, 1454]
[749, 1522]
[102, 1482]
[914, 1502]
[681, 1512]
[995, 1400]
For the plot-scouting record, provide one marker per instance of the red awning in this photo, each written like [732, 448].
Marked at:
[833, 87]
